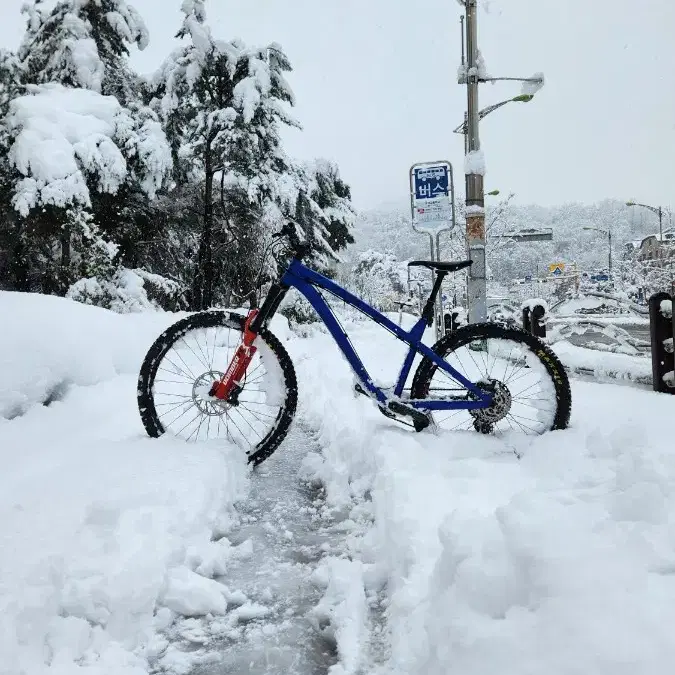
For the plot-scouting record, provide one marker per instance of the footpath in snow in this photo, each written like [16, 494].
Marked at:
[360, 547]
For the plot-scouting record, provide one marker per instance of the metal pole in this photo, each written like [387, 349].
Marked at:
[433, 280]
[439, 298]
[660, 226]
[466, 133]
[609, 236]
[475, 202]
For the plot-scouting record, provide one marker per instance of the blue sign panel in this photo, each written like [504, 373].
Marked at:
[431, 182]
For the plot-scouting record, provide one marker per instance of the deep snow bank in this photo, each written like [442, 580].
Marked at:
[105, 534]
[559, 562]
[48, 344]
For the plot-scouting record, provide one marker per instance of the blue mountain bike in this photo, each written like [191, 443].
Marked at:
[218, 374]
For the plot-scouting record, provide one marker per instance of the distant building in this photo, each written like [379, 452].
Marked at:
[652, 248]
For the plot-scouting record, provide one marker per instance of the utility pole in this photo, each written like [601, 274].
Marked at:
[471, 73]
[475, 199]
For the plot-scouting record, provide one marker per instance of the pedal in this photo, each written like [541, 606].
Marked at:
[420, 420]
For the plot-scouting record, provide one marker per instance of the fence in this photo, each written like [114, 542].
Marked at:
[662, 324]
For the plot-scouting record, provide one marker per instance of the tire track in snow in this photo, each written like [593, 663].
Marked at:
[284, 532]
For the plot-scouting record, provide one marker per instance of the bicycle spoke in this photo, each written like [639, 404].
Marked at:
[177, 370]
[185, 364]
[184, 341]
[189, 423]
[175, 407]
[205, 355]
[255, 431]
[196, 433]
[272, 417]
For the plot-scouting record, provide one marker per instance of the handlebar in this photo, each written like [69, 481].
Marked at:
[299, 248]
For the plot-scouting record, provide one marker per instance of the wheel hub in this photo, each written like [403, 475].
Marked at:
[207, 404]
[500, 406]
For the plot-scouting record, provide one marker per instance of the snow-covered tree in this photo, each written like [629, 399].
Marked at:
[11, 71]
[222, 104]
[332, 196]
[380, 279]
[83, 43]
[68, 148]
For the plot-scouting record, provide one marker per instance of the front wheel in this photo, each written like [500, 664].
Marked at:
[180, 368]
[529, 386]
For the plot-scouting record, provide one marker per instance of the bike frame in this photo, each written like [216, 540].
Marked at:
[305, 280]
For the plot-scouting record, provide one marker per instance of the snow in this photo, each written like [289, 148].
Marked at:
[666, 308]
[64, 137]
[105, 535]
[541, 554]
[535, 302]
[482, 68]
[494, 564]
[341, 613]
[474, 210]
[573, 305]
[602, 365]
[273, 383]
[95, 523]
[474, 163]
[89, 69]
[42, 353]
[531, 88]
[190, 594]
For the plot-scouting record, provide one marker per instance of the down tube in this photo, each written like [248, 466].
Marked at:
[340, 337]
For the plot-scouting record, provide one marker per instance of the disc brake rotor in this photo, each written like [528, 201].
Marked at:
[208, 405]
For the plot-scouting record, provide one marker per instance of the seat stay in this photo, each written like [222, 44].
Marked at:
[305, 280]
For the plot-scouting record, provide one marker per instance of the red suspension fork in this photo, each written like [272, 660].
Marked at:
[237, 368]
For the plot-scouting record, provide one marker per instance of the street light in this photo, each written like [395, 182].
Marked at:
[463, 128]
[654, 209]
[608, 234]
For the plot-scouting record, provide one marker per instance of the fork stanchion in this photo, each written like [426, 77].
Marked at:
[527, 320]
[661, 332]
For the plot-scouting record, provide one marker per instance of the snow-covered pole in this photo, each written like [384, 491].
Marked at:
[475, 199]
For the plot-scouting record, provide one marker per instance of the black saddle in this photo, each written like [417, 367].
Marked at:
[441, 266]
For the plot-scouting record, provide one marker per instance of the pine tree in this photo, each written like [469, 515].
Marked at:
[83, 43]
[222, 106]
[333, 197]
[13, 253]
[68, 151]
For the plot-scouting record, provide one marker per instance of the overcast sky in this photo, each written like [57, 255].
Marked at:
[376, 88]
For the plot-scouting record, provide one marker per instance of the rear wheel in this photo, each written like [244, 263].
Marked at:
[180, 368]
[529, 387]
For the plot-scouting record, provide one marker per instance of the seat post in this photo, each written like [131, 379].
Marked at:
[428, 311]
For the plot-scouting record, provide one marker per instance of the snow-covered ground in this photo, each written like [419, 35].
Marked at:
[454, 553]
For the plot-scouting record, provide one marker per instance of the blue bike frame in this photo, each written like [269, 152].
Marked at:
[305, 280]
